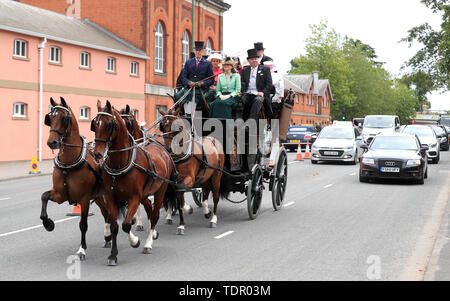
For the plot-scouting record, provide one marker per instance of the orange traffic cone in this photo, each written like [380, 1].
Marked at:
[307, 152]
[299, 153]
[77, 211]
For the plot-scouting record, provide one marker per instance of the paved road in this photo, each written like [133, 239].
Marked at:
[331, 228]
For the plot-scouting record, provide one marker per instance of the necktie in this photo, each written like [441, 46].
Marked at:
[196, 63]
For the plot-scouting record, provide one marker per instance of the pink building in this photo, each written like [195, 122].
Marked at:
[44, 54]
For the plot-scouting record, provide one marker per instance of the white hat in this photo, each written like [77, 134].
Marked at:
[215, 56]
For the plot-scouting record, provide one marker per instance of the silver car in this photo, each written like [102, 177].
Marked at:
[337, 143]
[427, 137]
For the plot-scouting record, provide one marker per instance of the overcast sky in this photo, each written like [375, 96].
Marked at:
[283, 26]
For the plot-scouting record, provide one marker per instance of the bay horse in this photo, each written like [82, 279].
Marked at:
[131, 173]
[190, 165]
[76, 176]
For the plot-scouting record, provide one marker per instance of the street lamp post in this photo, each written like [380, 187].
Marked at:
[193, 24]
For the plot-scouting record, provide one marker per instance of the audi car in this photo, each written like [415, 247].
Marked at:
[337, 143]
[394, 156]
[427, 137]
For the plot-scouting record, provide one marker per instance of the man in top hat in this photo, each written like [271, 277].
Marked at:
[198, 73]
[256, 83]
[260, 48]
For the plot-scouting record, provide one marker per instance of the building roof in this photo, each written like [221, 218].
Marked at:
[324, 84]
[303, 81]
[38, 22]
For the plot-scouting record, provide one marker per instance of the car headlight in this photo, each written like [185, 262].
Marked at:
[368, 161]
[413, 162]
[443, 139]
[433, 145]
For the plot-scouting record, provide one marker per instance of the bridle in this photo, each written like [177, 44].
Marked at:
[66, 120]
[111, 128]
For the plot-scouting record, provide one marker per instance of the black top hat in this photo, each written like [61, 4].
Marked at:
[252, 53]
[199, 45]
[259, 46]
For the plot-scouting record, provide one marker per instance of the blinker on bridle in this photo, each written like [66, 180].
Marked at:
[111, 130]
[66, 119]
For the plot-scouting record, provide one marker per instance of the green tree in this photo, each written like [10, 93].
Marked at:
[433, 59]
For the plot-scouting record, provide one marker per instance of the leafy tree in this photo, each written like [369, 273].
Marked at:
[433, 60]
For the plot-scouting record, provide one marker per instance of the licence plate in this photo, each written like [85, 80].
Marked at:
[390, 169]
[295, 141]
[327, 153]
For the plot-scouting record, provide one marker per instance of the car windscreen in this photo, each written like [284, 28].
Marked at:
[439, 131]
[394, 143]
[336, 133]
[298, 130]
[445, 121]
[379, 122]
[421, 131]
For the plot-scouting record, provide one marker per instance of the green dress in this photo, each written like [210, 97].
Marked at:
[226, 85]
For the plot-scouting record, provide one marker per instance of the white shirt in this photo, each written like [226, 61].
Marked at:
[252, 83]
[278, 82]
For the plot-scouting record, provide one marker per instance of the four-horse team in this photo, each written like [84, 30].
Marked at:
[234, 151]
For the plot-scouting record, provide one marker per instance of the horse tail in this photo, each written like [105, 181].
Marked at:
[170, 197]
[226, 185]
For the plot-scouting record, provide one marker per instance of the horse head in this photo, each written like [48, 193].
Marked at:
[60, 121]
[131, 122]
[108, 127]
[171, 125]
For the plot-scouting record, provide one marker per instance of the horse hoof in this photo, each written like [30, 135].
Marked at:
[191, 210]
[140, 228]
[49, 225]
[208, 215]
[180, 231]
[81, 256]
[169, 221]
[147, 251]
[106, 244]
[112, 262]
[157, 236]
[212, 225]
[137, 245]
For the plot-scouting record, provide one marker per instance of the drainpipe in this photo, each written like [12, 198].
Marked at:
[193, 24]
[41, 47]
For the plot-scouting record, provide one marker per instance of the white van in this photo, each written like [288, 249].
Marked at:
[379, 124]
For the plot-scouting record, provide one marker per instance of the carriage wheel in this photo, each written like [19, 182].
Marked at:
[279, 180]
[198, 198]
[255, 192]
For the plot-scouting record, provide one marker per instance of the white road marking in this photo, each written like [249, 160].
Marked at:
[328, 186]
[36, 227]
[444, 171]
[223, 235]
[289, 163]
[3, 199]
[289, 204]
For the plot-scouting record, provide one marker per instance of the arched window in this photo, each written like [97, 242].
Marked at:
[186, 46]
[159, 48]
[208, 47]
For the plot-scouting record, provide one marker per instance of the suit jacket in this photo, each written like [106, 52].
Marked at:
[265, 59]
[263, 80]
[193, 73]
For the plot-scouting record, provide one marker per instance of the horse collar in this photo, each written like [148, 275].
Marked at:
[118, 172]
[77, 162]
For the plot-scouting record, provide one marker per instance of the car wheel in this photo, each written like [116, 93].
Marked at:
[426, 174]
[435, 160]
[421, 181]
[356, 160]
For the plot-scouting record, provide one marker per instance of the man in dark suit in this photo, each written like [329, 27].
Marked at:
[262, 57]
[256, 84]
[198, 73]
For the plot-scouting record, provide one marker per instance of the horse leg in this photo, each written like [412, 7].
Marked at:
[180, 205]
[152, 233]
[81, 253]
[54, 196]
[206, 210]
[139, 224]
[113, 213]
[188, 208]
[169, 219]
[215, 181]
[101, 203]
[133, 205]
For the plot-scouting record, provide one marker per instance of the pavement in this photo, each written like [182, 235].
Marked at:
[331, 227]
[20, 169]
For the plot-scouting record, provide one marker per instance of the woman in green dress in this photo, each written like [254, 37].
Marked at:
[227, 89]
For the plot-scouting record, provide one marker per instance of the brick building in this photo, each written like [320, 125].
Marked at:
[162, 28]
[313, 98]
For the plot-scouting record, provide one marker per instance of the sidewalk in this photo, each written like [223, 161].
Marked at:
[20, 169]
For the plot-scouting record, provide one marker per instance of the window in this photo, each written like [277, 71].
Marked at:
[134, 68]
[84, 113]
[111, 64]
[55, 55]
[20, 48]
[186, 47]
[134, 113]
[297, 100]
[20, 110]
[159, 48]
[84, 60]
[208, 47]
[162, 108]
[303, 99]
